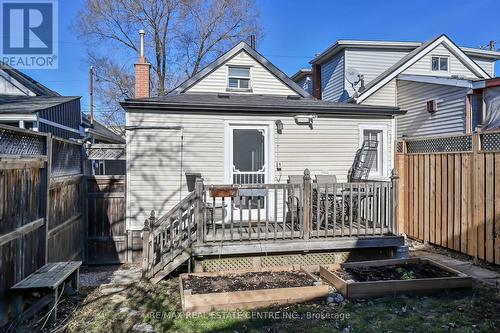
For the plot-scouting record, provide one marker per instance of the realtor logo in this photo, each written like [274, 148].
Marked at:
[29, 31]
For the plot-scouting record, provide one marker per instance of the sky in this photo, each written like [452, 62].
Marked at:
[294, 31]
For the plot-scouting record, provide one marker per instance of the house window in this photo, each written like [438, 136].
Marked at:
[379, 134]
[440, 64]
[238, 78]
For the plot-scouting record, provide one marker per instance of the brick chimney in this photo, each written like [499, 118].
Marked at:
[142, 73]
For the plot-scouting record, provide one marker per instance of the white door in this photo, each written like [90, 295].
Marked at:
[249, 163]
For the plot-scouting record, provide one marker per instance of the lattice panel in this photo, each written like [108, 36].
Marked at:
[66, 158]
[440, 145]
[109, 152]
[490, 141]
[301, 260]
[399, 146]
[227, 264]
[14, 142]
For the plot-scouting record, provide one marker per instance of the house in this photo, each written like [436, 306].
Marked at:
[241, 122]
[432, 81]
[486, 100]
[241, 98]
[28, 104]
[304, 79]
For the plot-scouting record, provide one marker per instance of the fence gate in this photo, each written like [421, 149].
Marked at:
[107, 238]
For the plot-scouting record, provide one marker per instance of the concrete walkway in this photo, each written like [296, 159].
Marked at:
[110, 275]
[482, 274]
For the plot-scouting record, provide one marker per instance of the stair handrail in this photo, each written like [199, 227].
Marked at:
[171, 234]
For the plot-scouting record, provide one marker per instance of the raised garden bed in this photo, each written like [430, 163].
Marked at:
[393, 276]
[204, 292]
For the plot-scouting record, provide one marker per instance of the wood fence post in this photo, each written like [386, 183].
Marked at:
[475, 192]
[306, 204]
[148, 224]
[394, 201]
[402, 204]
[48, 172]
[198, 214]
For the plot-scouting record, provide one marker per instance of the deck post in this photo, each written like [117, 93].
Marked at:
[198, 214]
[148, 223]
[306, 204]
[394, 201]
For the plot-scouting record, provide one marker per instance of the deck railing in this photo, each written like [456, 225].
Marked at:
[170, 235]
[251, 212]
[268, 212]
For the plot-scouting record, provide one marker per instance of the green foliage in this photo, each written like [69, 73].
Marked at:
[406, 274]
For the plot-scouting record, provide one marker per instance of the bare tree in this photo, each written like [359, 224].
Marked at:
[182, 36]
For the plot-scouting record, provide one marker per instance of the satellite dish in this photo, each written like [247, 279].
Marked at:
[352, 76]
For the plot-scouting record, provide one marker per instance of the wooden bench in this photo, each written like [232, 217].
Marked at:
[47, 280]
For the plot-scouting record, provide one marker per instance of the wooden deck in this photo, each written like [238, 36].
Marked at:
[275, 230]
[238, 219]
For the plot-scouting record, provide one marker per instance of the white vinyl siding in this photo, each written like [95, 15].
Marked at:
[487, 64]
[456, 66]
[448, 119]
[332, 79]
[305, 83]
[370, 63]
[154, 156]
[385, 96]
[263, 81]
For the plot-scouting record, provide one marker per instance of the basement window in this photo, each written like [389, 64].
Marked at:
[238, 78]
[440, 64]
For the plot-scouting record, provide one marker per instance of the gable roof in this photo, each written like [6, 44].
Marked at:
[303, 72]
[242, 46]
[31, 104]
[342, 44]
[28, 82]
[412, 58]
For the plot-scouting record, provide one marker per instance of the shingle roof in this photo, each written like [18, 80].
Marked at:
[100, 131]
[36, 87]
[31, 104]
[252, 103]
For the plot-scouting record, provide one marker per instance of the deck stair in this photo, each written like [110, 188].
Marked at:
[167, 240]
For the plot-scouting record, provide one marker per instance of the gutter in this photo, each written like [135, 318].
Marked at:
[354, 110]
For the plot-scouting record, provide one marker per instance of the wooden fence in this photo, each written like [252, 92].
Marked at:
[108, 240]
[41, 215]
[450, 192]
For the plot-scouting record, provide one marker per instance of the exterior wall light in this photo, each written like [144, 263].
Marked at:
[305, 119]
[279, 126]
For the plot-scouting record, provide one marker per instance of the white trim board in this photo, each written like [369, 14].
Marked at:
[426, 50]
[385, 147]
[66, 128]
[447, 81]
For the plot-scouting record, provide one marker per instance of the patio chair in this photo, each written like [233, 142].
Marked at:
[320, 198]
[293, 202]
[216, 212]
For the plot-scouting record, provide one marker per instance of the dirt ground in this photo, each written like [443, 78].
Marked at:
[246, 281]
[392, 272]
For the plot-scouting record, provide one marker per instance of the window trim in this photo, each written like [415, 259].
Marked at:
[383, 173]
[439, 70]
[250, 78]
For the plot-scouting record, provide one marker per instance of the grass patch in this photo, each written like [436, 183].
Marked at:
[159, 306]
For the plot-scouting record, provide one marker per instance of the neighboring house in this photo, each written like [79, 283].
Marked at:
[304, 79]
[432, 81]
[240, 120]
[487, 103]
[28, 104]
